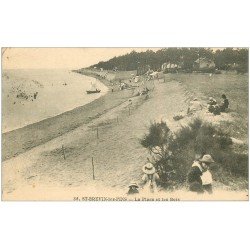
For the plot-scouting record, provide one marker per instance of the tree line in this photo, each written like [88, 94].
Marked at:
[224, 59]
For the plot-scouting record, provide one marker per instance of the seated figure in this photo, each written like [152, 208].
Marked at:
[225, 103]
[212, 106]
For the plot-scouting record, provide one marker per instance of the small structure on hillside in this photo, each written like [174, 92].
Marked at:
[170, 67]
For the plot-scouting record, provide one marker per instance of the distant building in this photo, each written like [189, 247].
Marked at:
[204, 63]
[169, 65]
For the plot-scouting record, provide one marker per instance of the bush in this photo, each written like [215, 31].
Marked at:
[176, 153]
[231, 163]
[206, 70]
[157, 141]
[173, 71]
[159, 135]
[217, 72]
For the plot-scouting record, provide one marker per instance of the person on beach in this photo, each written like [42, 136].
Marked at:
[206, 177]
[194, 176]
[212, 101]
[150, 177]
[133, 188]
[216, 110]
[35, 95]
[200, 178]
[225, 103]
[211, 104]
[194, 106]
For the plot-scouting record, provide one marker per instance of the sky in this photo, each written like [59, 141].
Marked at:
[52, 58]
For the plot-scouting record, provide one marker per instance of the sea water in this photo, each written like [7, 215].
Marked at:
[32, 95]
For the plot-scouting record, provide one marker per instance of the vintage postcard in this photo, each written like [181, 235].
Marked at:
[124, 124]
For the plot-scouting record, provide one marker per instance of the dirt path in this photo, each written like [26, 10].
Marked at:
[118, 155]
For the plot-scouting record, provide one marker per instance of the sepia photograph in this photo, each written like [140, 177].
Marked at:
[125, 124]
[121, 120]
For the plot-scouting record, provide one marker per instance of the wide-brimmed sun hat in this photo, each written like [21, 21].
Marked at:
[133, 184]
[207, 159]
[148, 168]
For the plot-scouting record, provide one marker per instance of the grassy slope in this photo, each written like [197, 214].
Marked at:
[236, 89]
[234, 86]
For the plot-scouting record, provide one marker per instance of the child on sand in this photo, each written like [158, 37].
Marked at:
[206, 177]
[200, 178]
[133, 188]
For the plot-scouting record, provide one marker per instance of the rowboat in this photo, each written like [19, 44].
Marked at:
[93, 91]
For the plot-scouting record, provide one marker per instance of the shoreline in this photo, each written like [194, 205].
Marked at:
[43, 173]
[23, 139]
[58, 91]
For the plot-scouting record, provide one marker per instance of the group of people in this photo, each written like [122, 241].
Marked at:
[149, 180]
[215, 108]
[24, 96]
[199, 177]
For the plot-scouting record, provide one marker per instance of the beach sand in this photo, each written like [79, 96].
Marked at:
[41, 172]
[25, 138]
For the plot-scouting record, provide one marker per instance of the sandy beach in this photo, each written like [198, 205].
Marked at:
[120, 127]
[27, 137]
[38, 169]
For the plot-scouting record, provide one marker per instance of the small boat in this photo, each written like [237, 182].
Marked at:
[93, 91]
